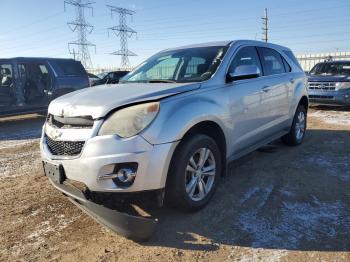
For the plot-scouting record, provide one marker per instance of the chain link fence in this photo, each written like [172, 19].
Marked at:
[308, 61]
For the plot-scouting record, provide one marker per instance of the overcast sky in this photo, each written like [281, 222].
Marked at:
[38, 27]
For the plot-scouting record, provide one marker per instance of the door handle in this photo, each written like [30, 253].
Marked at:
[292, 80]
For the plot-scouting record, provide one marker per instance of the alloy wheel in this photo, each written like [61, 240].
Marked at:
[200, 174]
[300, 126]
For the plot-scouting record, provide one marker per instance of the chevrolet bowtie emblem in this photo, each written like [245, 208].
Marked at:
[54, 134]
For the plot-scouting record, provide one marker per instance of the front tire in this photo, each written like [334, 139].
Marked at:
[297, 131]
[194, 172]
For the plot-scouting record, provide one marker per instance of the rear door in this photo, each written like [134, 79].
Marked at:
[275, 91]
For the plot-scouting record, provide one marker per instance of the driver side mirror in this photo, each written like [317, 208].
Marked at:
[243, 72]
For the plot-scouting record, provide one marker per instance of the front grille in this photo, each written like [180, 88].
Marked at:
[64, 148]
[70, 122]
[320, 97]
[323, 86]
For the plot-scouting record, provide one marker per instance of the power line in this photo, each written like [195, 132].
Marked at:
[123, 32]
[204, 15]
[37, 21]
[82, 27]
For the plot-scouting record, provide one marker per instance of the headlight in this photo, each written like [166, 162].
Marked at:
[342, 85]
[130, 121]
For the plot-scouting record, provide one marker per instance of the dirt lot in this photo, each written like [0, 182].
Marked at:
[278, 204]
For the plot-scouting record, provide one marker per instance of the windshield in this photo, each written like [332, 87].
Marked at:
[183, 65]
[102, 75]
[332, 69]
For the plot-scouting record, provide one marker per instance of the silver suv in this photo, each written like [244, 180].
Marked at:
[172, 125]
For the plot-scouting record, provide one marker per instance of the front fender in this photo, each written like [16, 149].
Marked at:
[178, 114]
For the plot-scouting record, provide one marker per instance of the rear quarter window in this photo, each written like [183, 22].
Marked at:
[71, 68]
[286, 65]
[292, 57]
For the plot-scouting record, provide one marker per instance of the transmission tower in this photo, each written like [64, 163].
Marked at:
[123, 32]
[82, 27]
[265, 26]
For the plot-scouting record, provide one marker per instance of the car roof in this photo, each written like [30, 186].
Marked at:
[119, 71]
[336, 61]
[230, 42]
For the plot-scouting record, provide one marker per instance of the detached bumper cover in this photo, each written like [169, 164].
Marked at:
[100, 154]
[133, 227]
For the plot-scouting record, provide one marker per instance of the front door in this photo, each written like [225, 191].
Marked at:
[248, 113]
[7, 87]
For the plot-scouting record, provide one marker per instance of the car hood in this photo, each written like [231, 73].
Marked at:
[320, 78]
[98, 101]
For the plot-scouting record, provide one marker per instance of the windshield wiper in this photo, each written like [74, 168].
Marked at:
[161, 81]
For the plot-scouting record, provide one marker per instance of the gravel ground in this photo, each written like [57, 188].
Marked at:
[278, 204]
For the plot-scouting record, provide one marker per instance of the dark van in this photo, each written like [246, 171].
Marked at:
[29, 84]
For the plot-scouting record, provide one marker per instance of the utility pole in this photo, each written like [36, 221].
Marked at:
[265, 26]
[123, 32]
[82, 27]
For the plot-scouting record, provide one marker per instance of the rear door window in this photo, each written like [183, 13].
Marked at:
[272, 61]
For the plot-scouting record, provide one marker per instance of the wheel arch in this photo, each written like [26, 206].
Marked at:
[211, 129]
[304, 101]
[214, 131]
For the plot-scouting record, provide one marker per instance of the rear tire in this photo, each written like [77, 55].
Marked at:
[297, 131]
[193, 174]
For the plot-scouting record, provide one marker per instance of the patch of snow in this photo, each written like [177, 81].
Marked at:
[257, 254]
[46, 227]
[265, 195]
[249, 194]
[298, 221]
[15, 143]
[332, 165]
[332, 117]
[286, 193]
[16, 165]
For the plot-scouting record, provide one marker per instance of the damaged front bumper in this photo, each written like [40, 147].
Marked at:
[138, 228]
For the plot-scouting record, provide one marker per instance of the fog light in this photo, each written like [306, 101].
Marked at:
[124, 174]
